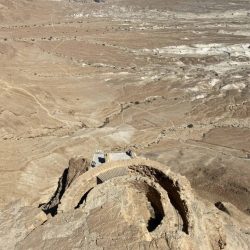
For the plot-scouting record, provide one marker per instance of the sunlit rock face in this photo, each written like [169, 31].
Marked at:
[167, 79]
[138, 203]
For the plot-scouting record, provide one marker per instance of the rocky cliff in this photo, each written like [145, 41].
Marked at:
[133, 204]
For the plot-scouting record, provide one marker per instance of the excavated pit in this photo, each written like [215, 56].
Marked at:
[153, 195]
[158, 215]
[172, 189]
[155, 208]
[155, 211]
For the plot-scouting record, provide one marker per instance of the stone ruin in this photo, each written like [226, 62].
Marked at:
[130, 203]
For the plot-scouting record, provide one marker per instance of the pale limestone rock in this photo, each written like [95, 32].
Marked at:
[149, 207]
[17, 222]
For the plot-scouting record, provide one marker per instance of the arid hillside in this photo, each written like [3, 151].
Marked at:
[168, 79]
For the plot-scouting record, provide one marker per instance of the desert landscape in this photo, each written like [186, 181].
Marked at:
[169, 80]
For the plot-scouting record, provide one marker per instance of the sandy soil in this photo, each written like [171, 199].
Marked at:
[167, 79]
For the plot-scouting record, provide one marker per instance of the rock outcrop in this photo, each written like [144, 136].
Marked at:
[17, 222]
[75, 169]
[136, 204]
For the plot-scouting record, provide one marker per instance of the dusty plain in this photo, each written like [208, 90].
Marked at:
[167, 79]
